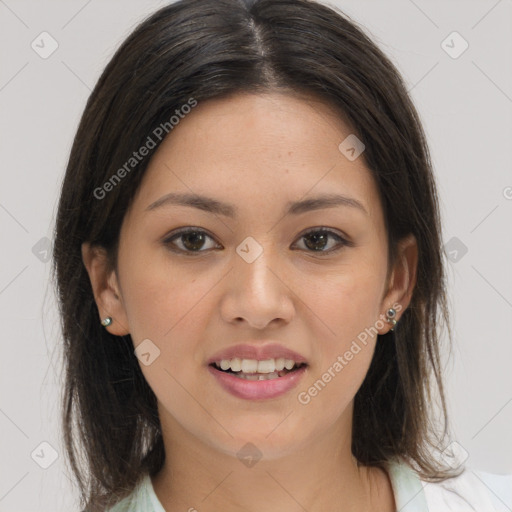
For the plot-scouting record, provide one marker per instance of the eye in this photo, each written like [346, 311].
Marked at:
[317, 240]
[191, 240]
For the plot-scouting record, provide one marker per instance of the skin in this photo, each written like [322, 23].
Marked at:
[285, 148]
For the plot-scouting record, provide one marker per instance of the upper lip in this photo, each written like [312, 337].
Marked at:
[258, 352]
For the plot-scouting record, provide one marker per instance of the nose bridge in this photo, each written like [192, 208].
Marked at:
[256, 291]
[256, 262]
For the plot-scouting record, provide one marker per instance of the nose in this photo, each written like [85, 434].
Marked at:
[258, 292]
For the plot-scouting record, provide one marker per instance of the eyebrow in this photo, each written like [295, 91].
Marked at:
[211, 205]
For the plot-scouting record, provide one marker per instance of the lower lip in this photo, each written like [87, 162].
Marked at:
[257, 389]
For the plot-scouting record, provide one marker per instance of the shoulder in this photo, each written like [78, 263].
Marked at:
[471, 490]
[128, 504]
[140, 499]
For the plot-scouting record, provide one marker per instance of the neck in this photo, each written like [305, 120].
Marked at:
[313, 477]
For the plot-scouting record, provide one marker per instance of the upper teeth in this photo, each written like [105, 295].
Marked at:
[254, 366]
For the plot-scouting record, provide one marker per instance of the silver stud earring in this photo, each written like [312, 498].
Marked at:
[106, 321]
[390, 317]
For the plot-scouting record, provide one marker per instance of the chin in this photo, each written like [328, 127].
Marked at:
[263, 444]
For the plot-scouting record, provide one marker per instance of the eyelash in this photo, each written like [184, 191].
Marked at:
[168, 241]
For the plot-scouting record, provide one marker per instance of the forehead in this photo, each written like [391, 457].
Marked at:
[269, 148]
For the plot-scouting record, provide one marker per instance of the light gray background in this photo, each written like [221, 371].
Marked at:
[466, 107]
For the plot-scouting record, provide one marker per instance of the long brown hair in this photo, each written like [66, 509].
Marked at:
[206, 49]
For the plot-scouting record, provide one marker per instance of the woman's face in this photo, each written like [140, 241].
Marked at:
[255, 271]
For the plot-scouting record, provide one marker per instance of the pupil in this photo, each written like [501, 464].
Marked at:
[319, 239]
[196, 238]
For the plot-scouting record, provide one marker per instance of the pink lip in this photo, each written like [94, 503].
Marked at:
[258, 352]
[257, 389]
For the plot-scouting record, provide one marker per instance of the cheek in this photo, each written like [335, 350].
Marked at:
[157, 297]
[347, 303]
[169, 308]
[348, 307]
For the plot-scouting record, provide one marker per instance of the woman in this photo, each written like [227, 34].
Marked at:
[250, 274]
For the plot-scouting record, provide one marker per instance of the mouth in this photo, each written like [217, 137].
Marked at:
[254, 370]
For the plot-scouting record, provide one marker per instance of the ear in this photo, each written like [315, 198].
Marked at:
[402, 280]
[105, 288]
